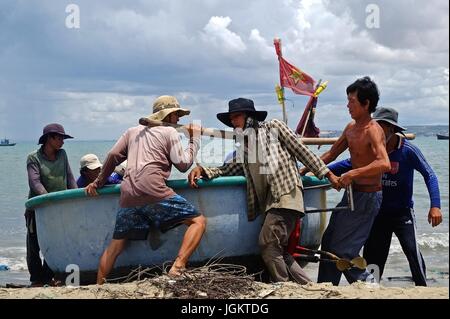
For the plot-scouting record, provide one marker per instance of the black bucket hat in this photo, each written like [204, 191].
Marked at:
[241, 105]
[53, 128]
[388, 115]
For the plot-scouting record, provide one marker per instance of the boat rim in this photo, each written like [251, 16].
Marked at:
[309, 182]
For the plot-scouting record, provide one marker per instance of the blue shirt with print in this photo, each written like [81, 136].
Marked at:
[398, 183]
[114, 178]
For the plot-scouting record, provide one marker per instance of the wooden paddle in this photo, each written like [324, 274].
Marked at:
[341, 263]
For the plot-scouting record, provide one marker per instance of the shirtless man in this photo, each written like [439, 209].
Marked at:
[348, 231]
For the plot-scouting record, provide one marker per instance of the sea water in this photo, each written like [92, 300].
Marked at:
[433, 242]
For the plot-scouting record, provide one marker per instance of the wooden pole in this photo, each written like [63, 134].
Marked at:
[283, 106]
[332, 140]
[204, 131]
[230, 134]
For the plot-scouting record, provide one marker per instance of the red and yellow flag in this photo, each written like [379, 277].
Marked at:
[292, 77]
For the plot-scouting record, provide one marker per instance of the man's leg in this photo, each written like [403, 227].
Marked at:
[351, 230]
[376, 249]
[191, 240]
[34, 262]
[108, 259]
[295, 271]
[48, 274]
[405, 230]
[273, 240]
[328, 271]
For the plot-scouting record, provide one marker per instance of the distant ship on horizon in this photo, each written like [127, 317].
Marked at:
[5, 142]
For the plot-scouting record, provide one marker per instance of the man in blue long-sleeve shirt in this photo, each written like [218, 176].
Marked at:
[396, 214]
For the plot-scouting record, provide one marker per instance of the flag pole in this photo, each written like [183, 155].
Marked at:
[307, 119]
[283, 107]
[281, 88]
[321, 86]
[307, 105]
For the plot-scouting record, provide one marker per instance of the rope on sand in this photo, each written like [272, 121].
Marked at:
[215, 280]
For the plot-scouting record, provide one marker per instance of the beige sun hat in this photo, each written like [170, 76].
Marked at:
[164, 105]
[90, 161]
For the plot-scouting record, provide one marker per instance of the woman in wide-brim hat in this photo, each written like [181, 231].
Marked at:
[241, 105]
[53, 129]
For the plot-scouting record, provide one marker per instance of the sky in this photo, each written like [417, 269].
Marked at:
[98, 77]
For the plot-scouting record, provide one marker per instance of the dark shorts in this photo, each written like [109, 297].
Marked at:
[134, 223]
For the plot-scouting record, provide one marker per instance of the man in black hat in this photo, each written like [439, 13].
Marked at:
[266, 156]
[396, 214]
[48, 171]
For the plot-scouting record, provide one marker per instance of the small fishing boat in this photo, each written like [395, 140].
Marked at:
[5, 142]
[442, 136]
[74, 229]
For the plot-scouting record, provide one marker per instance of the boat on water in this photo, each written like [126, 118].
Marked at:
[442, 136]
[74, 229]
[5, 142]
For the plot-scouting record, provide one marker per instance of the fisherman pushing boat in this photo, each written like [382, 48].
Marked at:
[266, 156]
[348, 231]
[145, 200]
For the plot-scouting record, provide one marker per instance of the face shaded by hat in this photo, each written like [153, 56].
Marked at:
[90, 161]
[121, 168]
[241, 105]
[53, 128]
[164, 105]
[389, 116]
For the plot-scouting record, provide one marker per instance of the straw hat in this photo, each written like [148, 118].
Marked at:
[164, 105]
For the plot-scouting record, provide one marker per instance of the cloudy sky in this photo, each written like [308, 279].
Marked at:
[98, 79]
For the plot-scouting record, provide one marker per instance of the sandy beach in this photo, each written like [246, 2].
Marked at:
[163, 288]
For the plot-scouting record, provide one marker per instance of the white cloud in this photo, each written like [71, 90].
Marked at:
[208, 52]
[265, 51]
[217, 33]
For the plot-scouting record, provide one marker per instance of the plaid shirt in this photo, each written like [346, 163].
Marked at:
[279, 150]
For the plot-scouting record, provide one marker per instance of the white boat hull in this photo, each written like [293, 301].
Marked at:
[75, 231]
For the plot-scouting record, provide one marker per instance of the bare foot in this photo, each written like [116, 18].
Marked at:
[176, 271]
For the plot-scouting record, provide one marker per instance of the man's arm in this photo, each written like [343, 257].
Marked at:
[337, 149]
[340, 167]
[228, 169]
[295, 147]
[380, 165]
[300, 151]
[116, 155]
[421, 165]
[34, 178]
[180, 158]
[71, 183]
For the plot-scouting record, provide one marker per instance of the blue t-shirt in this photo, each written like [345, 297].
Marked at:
[398, 183]
[114, 178]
